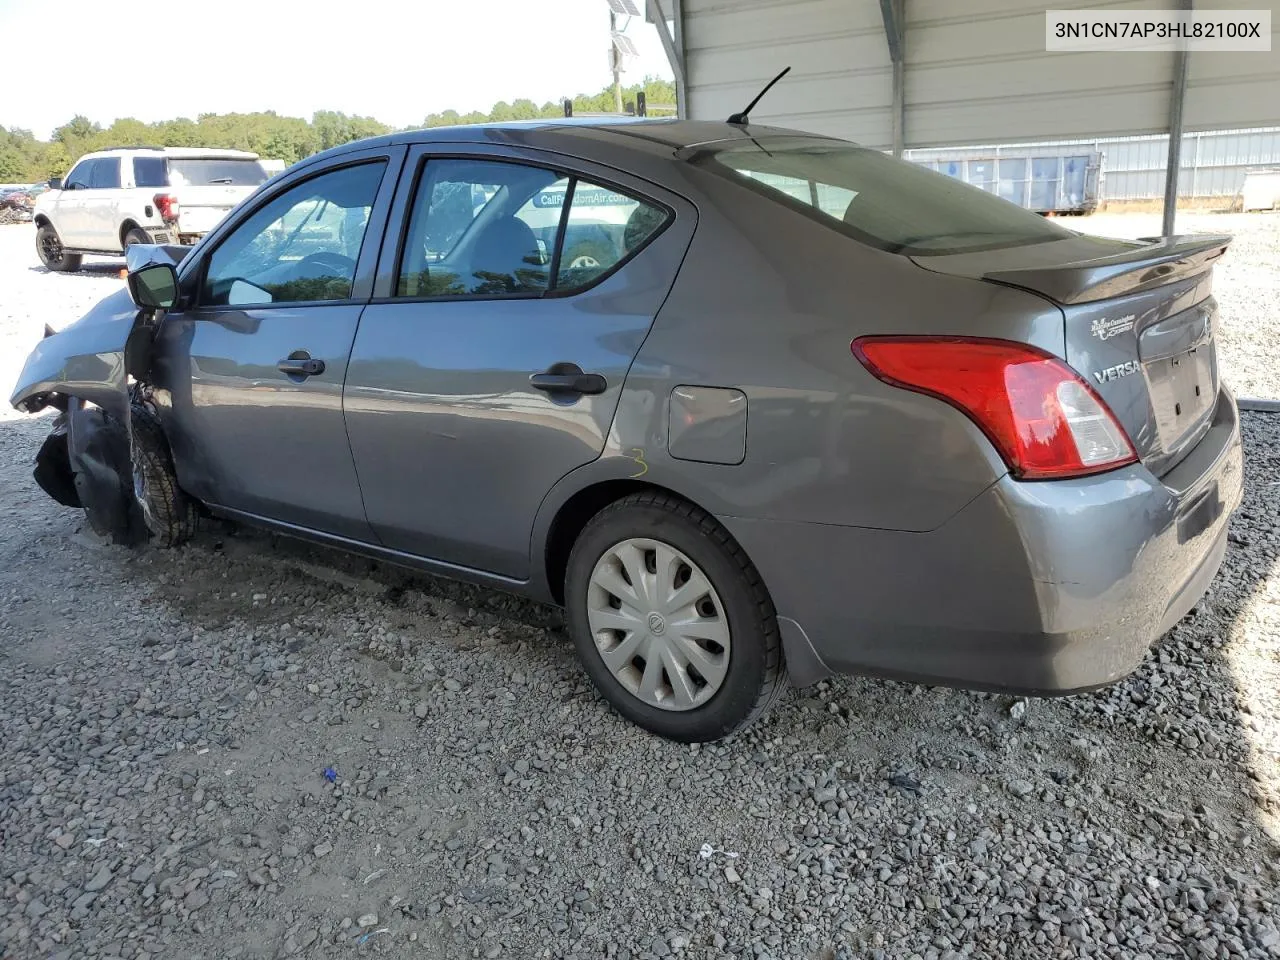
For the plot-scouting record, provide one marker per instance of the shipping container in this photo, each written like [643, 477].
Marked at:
[1045, 183]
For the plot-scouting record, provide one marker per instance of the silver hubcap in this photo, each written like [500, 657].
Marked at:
[658, 624]
[583, 261]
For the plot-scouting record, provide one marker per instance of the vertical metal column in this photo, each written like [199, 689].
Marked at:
[1177, 97]
[672, 46]
[893, 13]
[615, 59]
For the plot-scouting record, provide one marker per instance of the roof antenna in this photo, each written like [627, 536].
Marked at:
[741, 118]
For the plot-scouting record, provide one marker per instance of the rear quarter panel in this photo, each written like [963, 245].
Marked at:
[768, 302]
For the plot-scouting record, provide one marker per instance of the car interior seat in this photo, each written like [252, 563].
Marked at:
[506, 259]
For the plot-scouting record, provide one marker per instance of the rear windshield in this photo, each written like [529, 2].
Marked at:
[889, 204]
[200, 171]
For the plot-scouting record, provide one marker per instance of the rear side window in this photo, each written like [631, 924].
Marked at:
[106, 173]
[603, 228]
[220, 171]
[150, 172]
[886, 203]
[489, 228]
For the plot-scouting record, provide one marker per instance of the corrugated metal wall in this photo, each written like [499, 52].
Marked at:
[975, 71]
[1213, 163]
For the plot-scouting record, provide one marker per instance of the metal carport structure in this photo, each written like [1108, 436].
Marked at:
[894, 74]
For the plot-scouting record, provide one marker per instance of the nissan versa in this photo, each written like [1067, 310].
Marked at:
[804, 408]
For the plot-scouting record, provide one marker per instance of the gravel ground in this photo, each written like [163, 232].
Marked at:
[167, 719]
[1246, 285]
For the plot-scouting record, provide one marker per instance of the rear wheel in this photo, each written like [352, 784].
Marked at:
[49, 249]
[135, 235]
[671, 619]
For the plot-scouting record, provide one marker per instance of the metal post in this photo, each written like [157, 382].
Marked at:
[1177, 97]
[893, 13]
[672, 46]
[615, 57]
[682, 82]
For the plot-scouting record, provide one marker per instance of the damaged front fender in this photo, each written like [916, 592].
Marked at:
[94, 357]
[86, 360]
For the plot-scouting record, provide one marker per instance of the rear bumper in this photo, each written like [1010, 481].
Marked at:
[1039, 588]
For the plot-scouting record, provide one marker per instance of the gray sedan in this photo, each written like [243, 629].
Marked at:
[752, 405]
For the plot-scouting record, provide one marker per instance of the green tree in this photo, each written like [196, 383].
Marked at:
[13, 167]
[25, 159]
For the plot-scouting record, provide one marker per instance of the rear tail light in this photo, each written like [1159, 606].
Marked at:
[167, 204]
[1043, 418]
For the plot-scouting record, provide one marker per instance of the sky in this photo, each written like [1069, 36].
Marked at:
[394, 60]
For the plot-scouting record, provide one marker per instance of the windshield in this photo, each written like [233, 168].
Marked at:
[200, 171]
[889, 204]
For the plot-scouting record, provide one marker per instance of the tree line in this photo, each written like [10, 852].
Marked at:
[24, 159]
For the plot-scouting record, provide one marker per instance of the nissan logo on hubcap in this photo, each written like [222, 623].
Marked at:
[656, 624]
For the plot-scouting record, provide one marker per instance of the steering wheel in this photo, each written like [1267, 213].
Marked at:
[345, 266]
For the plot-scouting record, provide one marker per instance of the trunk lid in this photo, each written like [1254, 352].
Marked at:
[1139, 324]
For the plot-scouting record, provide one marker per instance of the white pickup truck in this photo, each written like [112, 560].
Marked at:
[114, 198]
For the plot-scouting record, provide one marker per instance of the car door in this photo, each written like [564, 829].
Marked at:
[100, 204]
[487, 366]
[252, 370]
[69, 213]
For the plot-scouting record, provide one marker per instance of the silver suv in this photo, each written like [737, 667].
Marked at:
[114, 198]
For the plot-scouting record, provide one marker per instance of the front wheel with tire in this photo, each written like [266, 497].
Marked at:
[170, 515]
[672, 620]
[49, 250]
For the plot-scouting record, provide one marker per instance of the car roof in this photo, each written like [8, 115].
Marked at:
[568, 132]
[177, 153]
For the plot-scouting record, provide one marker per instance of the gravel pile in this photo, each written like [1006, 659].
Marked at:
[249, 748]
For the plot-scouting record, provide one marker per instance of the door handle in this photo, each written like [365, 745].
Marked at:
[568, 378]
[299, 364]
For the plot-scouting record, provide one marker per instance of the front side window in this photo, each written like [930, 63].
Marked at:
[149, 172]
[886, 203]
[106, 173]
[302, 246]
[79, 177]
[489, 228]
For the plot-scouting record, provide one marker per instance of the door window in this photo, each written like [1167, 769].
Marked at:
[476, 230]
[78, 178]
[106, 174]
[301, 246]
[490, 228]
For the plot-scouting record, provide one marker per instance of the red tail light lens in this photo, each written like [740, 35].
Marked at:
[1040, 414]
[167, 204]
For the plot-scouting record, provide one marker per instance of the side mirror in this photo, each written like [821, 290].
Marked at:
[55, 183]
[154, 287]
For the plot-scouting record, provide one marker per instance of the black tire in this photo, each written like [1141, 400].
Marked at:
[170, 515]
[756, 675]
[49, 250]
[135, 235]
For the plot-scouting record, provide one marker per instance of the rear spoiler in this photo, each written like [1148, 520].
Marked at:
[1164, 261]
